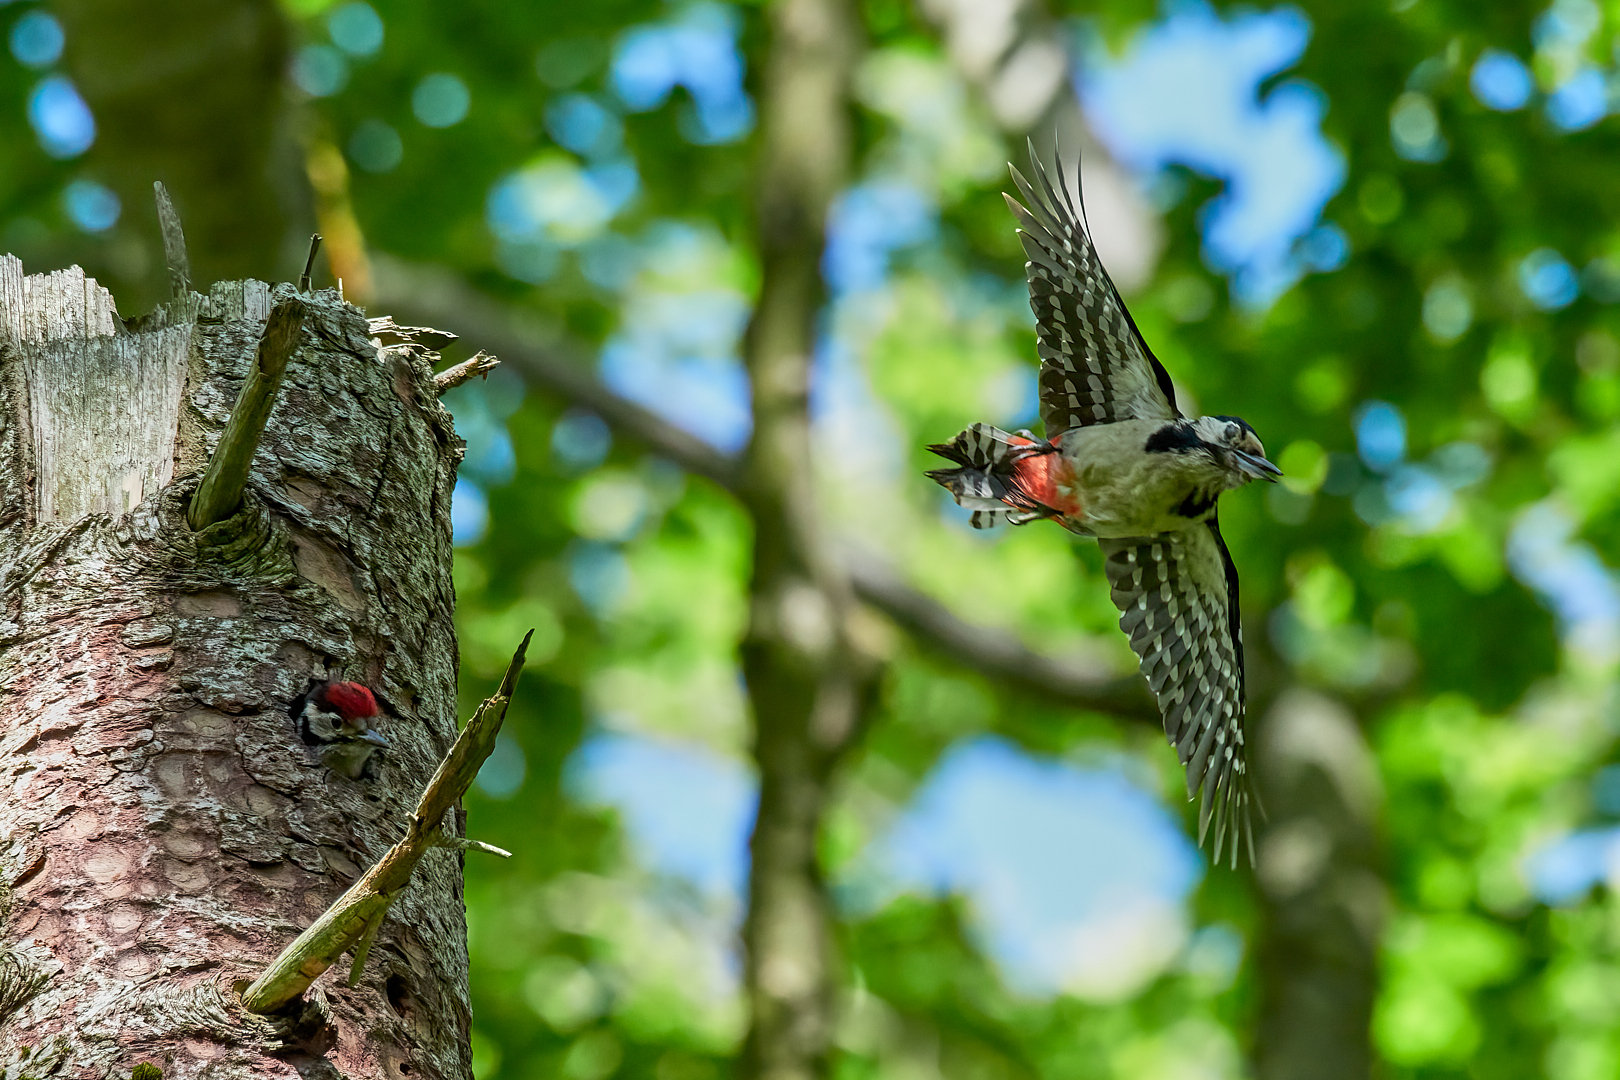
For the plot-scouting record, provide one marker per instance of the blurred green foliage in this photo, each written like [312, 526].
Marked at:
[1488, 727]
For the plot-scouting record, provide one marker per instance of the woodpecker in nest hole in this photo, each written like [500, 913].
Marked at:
[336, 717]
[1121, 463]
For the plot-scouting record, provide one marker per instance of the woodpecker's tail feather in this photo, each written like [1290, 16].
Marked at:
[984, 477]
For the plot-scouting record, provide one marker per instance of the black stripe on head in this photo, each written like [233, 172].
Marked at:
[1175, 437]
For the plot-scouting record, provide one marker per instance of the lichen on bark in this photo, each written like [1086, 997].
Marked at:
[164, 833]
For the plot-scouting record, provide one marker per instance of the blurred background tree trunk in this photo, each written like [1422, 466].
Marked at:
[1323, 898]
[807, 676]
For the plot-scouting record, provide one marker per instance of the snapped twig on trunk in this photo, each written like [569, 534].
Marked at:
[174, 241]
[352, 922]
[307, 278]
[220, 494]
[452, 377]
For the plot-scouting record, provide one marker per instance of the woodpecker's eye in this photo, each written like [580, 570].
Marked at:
[1232, 432]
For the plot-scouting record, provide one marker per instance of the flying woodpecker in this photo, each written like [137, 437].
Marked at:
[335, 717]
[1121, 463]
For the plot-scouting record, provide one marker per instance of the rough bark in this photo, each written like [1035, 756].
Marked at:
[806, 674]
[1323, 898]
[192, 93]
[351, 924]
[165, 832]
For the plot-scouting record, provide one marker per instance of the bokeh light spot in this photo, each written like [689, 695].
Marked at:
[503, 771]
[1547, 280]
[609, 260]
[866, 225]
[581, 123]
[1500, 81]
[1304, 464]
[1448, 309]
[581, 439]
[531, 261]
[375, 146]
[356, 28]
[320, 70]
[60, 118]
[698, 51]
[469, 513]
[1381, 199]
[440, 100]
[1192, 89]
[599, 575]
[609, 505]
[1414, 129]
[1380, 435]
[36, 40]
[1580, 102]
[556, 201]
[1325, 248]
[91, 206]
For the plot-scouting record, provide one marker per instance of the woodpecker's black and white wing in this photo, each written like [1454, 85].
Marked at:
[1095, 367]
[1178, 597]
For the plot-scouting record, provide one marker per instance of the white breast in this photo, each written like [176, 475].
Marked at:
[1124, 490]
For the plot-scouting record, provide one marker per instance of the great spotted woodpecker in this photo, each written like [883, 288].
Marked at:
[1121, 463]
[335, 717]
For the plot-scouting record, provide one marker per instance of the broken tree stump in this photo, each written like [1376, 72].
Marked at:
[164, 831]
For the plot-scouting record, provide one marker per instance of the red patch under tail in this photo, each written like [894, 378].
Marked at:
[1001, 475]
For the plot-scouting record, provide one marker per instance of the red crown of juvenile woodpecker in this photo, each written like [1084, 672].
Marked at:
[349, 700]
[336, 717]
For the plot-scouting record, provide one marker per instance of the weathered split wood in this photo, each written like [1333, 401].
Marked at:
[352, 922]
[220, 494]
[164, 832]
[467, 370]
[101, 405]
[174, 242]
[385, 331]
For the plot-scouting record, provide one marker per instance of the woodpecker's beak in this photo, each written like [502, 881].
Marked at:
[1256, 467]
[373, 737]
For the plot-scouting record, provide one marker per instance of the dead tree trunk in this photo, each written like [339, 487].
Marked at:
[164, 832]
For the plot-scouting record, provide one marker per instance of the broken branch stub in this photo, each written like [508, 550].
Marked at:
[174, 242]
[352, 921]
[307, 278]
[220, 494]
[466, 371]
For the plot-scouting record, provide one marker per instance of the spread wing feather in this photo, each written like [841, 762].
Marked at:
[1095, 367]
[1178, 597]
